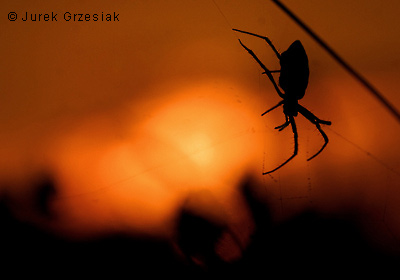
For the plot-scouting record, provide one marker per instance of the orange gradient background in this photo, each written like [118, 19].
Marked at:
[134, 118]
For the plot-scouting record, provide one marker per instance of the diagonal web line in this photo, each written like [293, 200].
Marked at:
[340, 60]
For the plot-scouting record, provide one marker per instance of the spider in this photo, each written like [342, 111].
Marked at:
[293, 79]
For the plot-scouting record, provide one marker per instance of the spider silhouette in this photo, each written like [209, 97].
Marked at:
[293, 80]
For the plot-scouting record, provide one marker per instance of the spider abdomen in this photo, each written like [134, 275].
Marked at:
[294, 72]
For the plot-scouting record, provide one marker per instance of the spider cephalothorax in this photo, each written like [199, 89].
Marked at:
[293, 80]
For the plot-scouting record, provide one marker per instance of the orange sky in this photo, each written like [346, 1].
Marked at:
[134, 116]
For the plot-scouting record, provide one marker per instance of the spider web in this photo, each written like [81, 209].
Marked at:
[374, 158]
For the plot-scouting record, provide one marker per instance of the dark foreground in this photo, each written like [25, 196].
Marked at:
[308, 245]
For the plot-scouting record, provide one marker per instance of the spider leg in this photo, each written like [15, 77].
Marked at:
[267, 72]
[272, 71]
[269, 110]
[262, 37]
[323, 146]
[316, 121]
[296, 145]
[310, 116]
[283, 126]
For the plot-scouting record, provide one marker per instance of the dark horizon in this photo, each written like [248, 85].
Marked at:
[307, 244]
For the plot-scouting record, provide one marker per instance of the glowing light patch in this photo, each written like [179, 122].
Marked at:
[136, 176]
[198, 146]
[209, 128]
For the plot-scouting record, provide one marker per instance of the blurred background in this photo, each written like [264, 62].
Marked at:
[145, 134]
